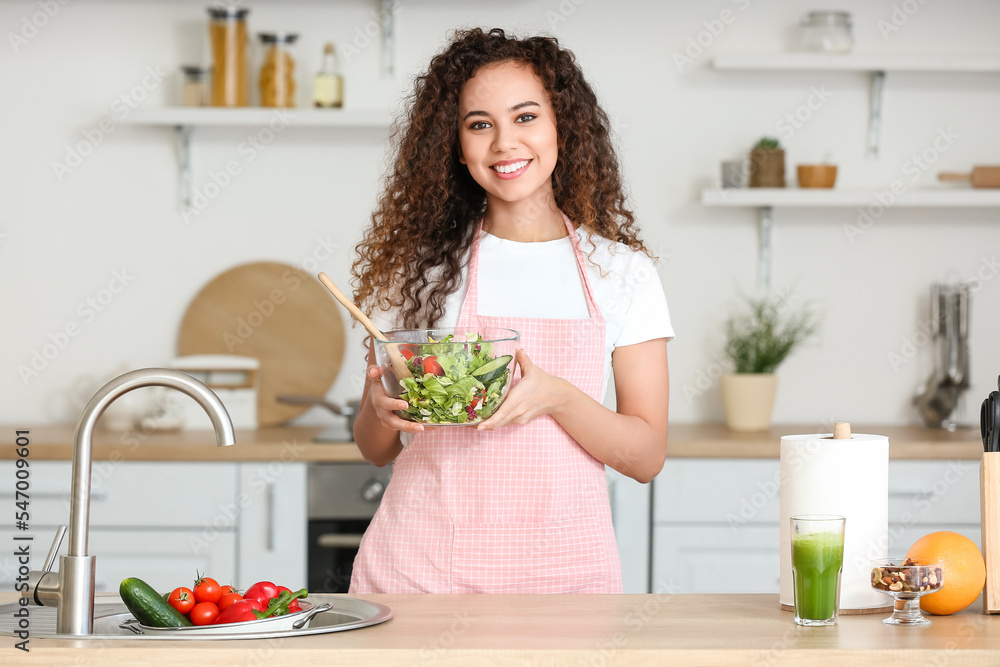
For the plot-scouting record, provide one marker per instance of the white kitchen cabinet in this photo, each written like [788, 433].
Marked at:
[711, 513]
[165, 521]
[274, 523]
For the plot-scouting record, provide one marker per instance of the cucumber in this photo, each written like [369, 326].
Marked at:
[148, 606]
[491, 370]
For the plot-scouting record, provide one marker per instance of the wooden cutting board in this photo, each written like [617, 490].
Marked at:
[278, 314]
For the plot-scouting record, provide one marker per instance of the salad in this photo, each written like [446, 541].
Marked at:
[453, 382]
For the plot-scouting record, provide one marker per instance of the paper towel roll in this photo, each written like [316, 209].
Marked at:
[820, 475]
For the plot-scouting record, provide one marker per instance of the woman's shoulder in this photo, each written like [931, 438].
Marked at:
[612, 256]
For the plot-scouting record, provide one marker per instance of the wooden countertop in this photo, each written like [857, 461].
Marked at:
[646, 630]
[296, 443]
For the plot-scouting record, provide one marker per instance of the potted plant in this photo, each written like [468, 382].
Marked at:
[767, 164]
[757, 341]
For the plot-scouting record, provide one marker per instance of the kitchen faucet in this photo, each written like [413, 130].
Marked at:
[71, 590]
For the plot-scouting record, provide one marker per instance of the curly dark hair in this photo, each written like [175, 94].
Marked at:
[411, 256]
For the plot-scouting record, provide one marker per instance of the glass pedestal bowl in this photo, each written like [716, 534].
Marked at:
[906, 581]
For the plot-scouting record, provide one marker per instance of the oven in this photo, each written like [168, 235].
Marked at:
[343, 498]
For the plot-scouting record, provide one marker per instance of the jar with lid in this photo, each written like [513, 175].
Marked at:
[227, 29]
[277, 69]
[827, 31]
[194, 86]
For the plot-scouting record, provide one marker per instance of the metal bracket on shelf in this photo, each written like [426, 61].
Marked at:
[765, 228]
[183, 166]
[388, 37]
[875, 112]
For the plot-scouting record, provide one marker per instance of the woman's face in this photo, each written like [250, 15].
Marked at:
[507, 132]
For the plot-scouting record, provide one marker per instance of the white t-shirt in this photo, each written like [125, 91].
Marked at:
[542, 280]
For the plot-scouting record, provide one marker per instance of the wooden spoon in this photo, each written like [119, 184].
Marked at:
[398, 363]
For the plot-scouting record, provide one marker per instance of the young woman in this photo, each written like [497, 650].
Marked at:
[504, 208]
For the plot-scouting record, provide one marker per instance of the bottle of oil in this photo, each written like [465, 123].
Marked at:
[328, 88]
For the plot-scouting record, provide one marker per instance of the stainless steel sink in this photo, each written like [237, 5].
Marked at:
[109, 613]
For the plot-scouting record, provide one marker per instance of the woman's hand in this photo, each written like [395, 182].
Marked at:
[383, 405]
[537, 394]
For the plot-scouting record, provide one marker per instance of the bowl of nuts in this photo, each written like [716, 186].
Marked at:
[906, 580]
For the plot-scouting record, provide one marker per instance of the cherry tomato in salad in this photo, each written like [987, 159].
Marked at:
[228, 599]
[207, 589]
[181, 599]
[204, 613]
[431, 365]
[262, 591]
[407, 353]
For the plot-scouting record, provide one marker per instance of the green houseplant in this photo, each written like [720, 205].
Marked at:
[758, 339]
[767, 164]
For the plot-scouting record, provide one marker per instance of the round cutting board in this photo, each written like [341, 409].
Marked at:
[277, 314]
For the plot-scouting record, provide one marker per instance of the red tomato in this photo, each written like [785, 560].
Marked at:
[207, 589]
[226, 590]
[293, 606]
[432, 366]
[262, 591]
[228, 599]
[181, 599]
[407, 353]
[204, 613]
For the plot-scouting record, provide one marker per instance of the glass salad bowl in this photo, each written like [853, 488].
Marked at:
[456, 377]
[906, 580]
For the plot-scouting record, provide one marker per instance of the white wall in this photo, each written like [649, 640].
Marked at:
[62, 240]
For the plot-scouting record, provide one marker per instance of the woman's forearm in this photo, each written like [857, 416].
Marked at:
[627, 443]
[378, 444]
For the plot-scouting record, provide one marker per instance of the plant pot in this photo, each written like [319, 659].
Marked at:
[748, 399]
[767, 168]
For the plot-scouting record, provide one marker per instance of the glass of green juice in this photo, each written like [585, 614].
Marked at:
[817, 563]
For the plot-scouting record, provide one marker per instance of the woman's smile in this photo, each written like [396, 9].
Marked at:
[507, 169]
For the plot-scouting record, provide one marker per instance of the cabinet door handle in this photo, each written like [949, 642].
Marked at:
[270, 516]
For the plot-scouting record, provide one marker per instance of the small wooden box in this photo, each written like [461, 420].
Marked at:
[989, 498]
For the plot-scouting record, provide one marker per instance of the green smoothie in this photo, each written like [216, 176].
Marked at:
[816, 562]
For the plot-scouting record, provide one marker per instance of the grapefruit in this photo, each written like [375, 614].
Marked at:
[962, 568]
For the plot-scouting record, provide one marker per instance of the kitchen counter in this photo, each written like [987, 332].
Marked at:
[296, 443]
[568, 629]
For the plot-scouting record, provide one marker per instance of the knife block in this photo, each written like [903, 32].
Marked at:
[989, 499]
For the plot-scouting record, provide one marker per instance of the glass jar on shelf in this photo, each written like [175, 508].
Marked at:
[827, 31]
[277, 69]
[227, 29]
[194, 86]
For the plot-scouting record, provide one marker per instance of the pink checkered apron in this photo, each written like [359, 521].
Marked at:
[523, 509]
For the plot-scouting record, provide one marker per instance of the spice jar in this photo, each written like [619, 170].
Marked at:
[827, 31]
[194, 86]
[277, 70]
[227, 31]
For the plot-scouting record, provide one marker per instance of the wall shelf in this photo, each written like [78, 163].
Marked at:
[876, 65]
[185, 119]
[856, 62]
[765, 199]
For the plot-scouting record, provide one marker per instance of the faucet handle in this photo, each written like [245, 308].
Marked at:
[50, 559]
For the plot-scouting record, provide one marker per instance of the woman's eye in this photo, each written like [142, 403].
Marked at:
[526, 117]
[479, 125]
